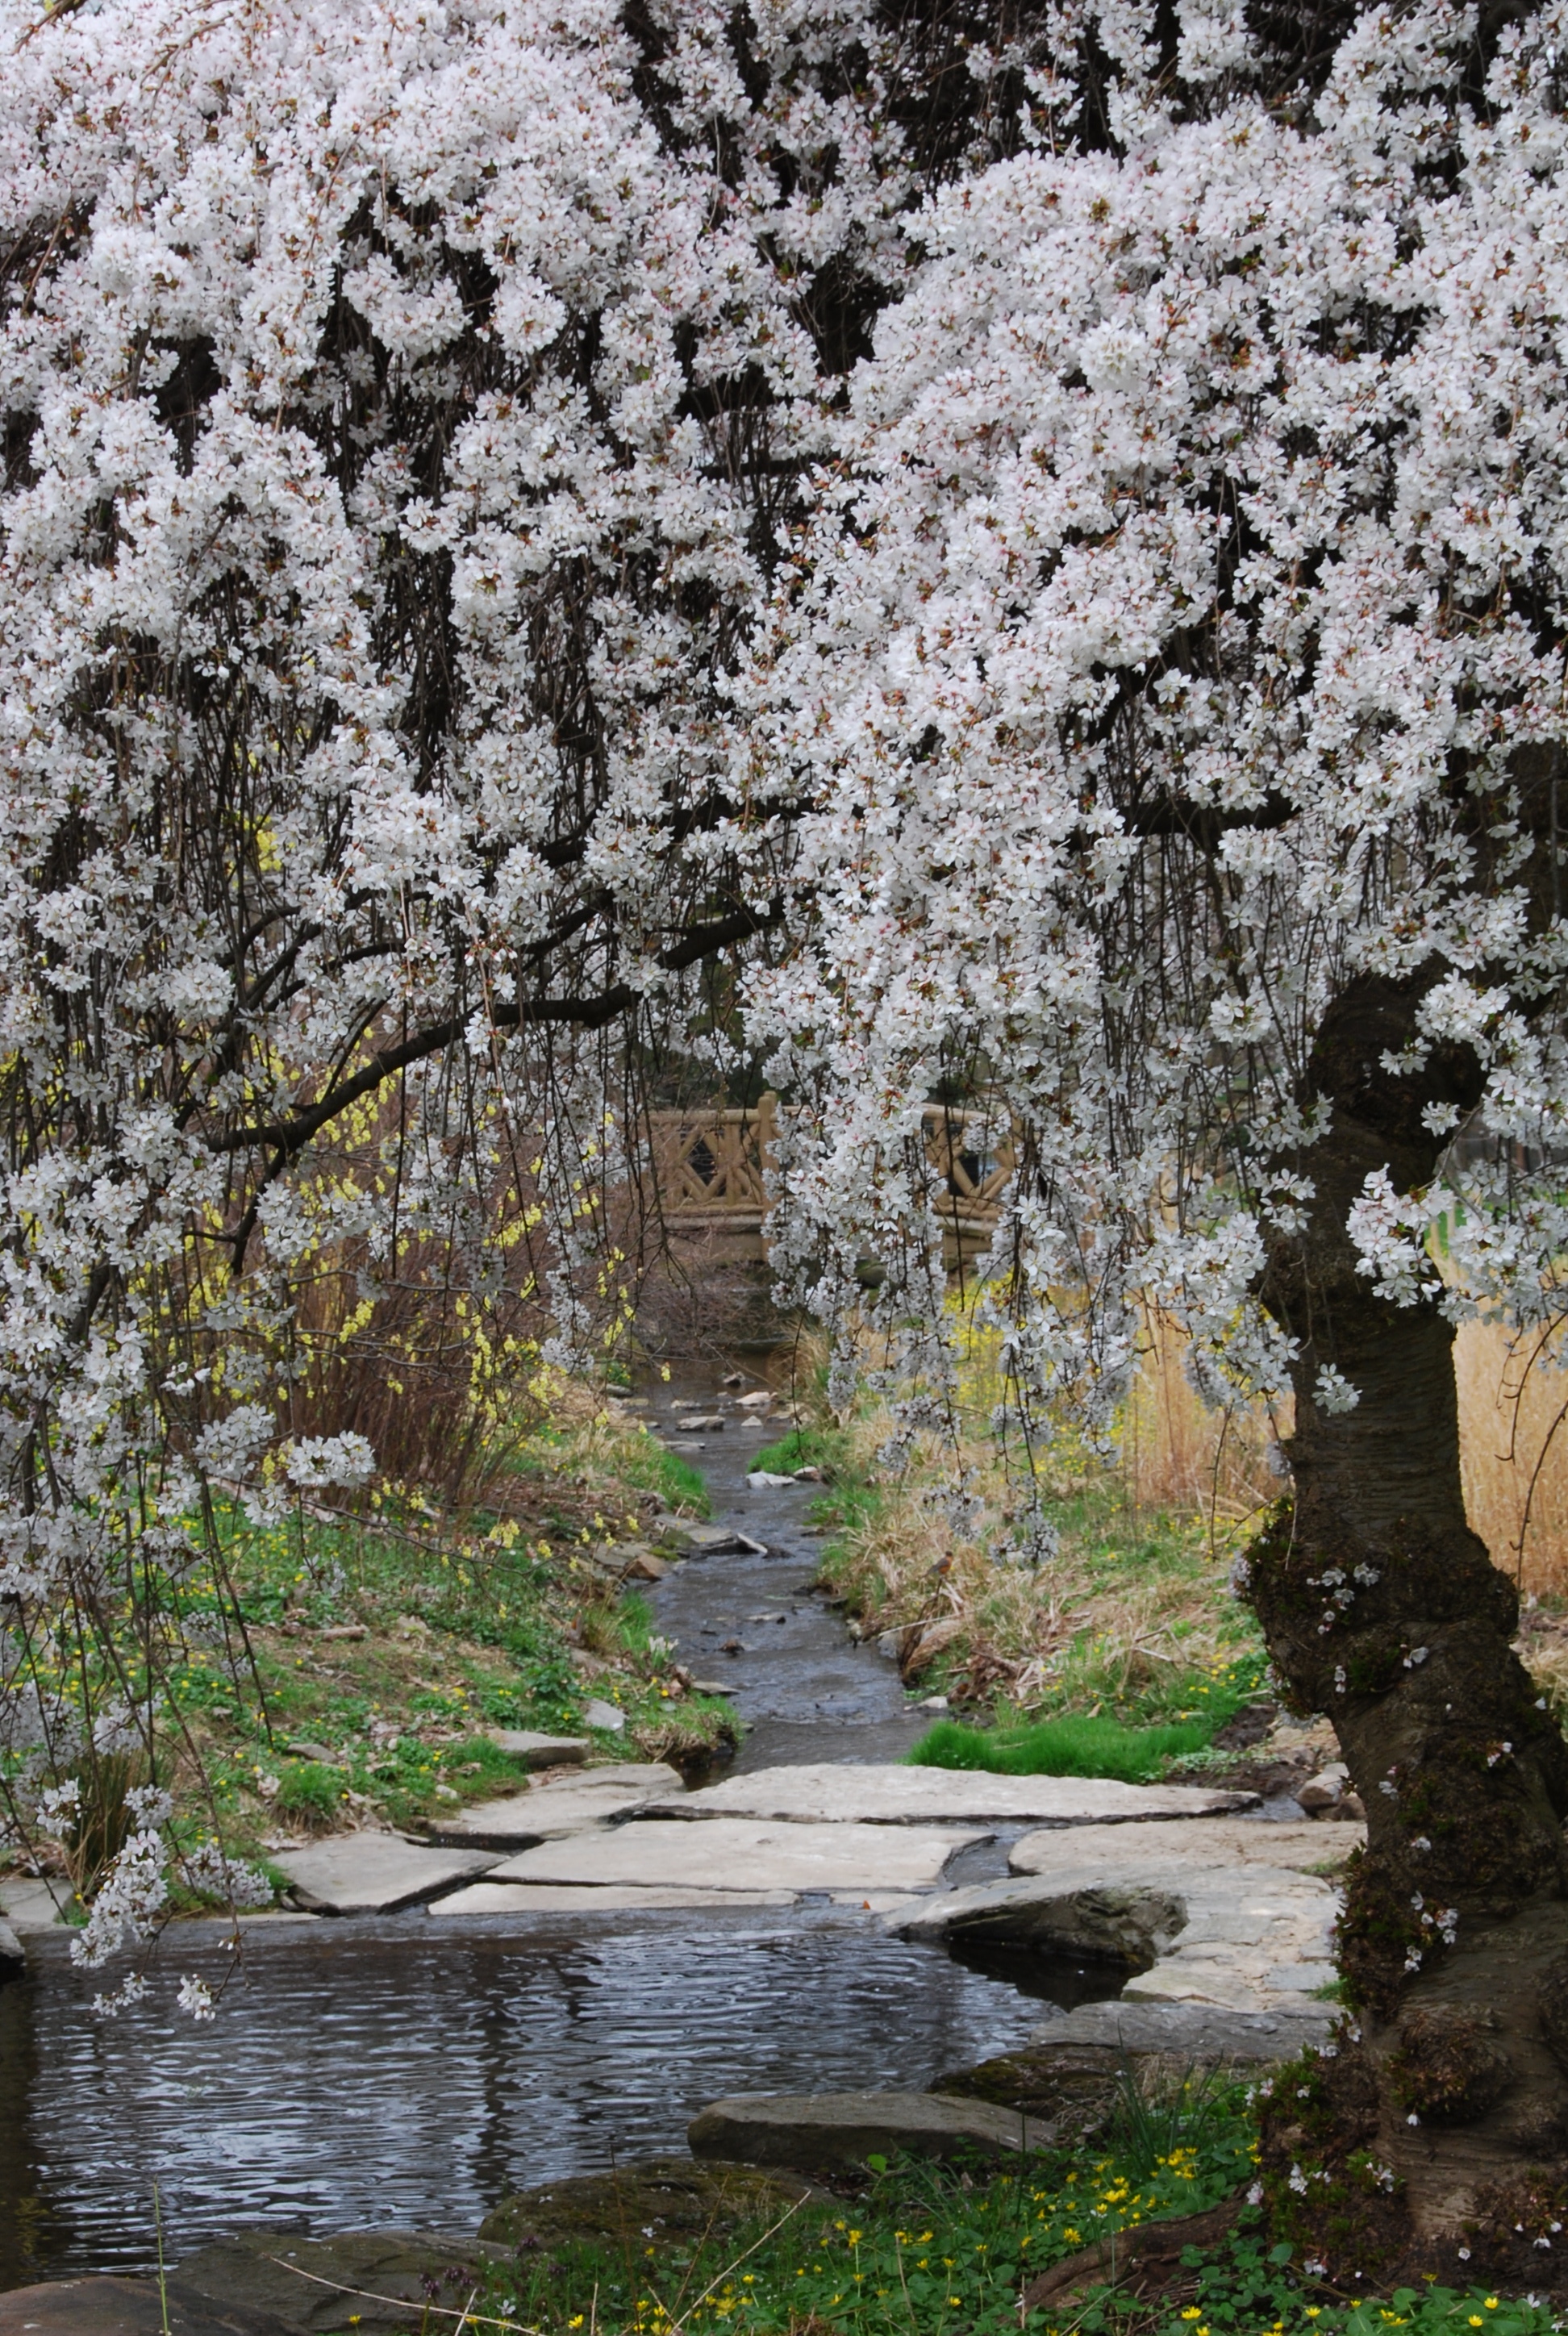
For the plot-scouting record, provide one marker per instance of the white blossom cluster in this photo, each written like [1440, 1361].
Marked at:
[1181, 637]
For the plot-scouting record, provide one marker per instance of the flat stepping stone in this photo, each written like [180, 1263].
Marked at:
[808, 2130]
[368, 2279]
[33, 1905]
[1189, 2032]
[373, 1873]
[551, 1811]
[732, 1854]
[545, 1898]
[1223, 1843]
[537, 1751]
[839, 1794]
[129, 2307]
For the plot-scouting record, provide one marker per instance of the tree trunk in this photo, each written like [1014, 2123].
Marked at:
[1440, 2124]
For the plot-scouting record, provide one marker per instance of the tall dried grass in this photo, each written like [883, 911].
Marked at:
[1513, 1454]
[1513, 1437]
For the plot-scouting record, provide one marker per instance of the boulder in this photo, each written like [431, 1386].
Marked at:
[381, 2280]
[1246, 1943]
[373, 1873]
[826, 1792]
[678, 2197]
[1326, 1790]
[131, 2307]
[811, 2130]
[731, 1855]
[607, 1717]
[12, 1962]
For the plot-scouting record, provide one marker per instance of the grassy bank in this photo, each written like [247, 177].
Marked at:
[1123, 1654]
[328, 1669]
[914, 2249]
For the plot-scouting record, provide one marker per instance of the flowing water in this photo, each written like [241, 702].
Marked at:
[415, 2070]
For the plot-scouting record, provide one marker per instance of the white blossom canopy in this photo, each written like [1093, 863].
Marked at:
[1179, 645]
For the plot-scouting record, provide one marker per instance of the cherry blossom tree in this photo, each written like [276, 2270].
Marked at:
[1172, 682]
[473, 564]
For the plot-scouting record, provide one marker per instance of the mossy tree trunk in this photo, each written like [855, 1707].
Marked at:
[1442, 2121]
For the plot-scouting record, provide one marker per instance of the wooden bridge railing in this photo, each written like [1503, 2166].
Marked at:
[709, 1166]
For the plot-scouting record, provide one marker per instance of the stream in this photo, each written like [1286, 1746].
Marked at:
[408, 2070]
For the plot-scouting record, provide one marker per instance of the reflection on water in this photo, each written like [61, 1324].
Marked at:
[414, 2071]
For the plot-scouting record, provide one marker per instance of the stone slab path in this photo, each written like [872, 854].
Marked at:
[733, 1853]
[836, 1794]
[373, 1873]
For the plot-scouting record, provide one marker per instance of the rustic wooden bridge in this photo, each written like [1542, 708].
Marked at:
[710, 1166]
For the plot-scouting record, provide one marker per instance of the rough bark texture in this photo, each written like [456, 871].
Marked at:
[1447, 2105]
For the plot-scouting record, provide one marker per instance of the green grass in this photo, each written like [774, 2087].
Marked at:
[804, 1447]
[1073, 1746]
[931, 2250]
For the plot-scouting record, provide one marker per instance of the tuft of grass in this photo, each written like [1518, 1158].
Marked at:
[827, 1448]
[311, 1793]
[1075, 1744]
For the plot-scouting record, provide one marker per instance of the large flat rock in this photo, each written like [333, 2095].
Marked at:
[567, 1806]
[1303, 1844]
[371, 2280]
[824, 2130]
[732, 1854]
[31, 1904]
[373, 1873]
[1195, 2033]
[521, 1898]
[130, 2307]
[830, 1794]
